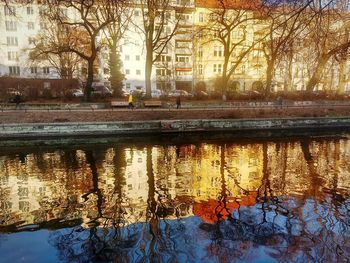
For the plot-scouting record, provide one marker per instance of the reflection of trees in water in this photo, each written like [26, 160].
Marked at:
[150, 241]
[105, 239]
[304, 227]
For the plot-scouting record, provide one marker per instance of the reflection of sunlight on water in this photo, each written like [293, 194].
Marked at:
[279, 195]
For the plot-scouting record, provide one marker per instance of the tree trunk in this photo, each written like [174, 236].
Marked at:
[289, 85]
[269, 75]
[342, 76]
[316, 76]
[148, 71]
[224, 80]
[90, 79]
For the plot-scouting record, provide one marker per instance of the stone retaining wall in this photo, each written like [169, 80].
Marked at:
[165, 126]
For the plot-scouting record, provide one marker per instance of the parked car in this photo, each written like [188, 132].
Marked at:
[15, 97]
[125, 93]
[77, 93]
[201, 95]
[138, 94]
[156, 93]
[101, 91]
[179, 92]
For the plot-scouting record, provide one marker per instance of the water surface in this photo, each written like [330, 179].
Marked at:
[183, 200]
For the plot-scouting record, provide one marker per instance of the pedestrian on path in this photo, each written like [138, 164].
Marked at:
[178, 102]
[279, 102]
[17, 99]
[130, 101]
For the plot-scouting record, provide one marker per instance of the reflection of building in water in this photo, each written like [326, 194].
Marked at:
[61, 184]
[241, 166]
[308, 167]
[40, 187]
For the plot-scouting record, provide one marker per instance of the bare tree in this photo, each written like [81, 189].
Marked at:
[159, 26]
[46, 48]
[113, 34]
[286, 21]
[329, 35]
[226, 19]
[90, 19]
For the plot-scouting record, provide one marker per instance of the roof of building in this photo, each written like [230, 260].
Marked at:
[230, 4]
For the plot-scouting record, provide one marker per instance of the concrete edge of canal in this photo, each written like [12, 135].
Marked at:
[30, 130]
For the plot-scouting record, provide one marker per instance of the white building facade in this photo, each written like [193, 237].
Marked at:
[186, 60]
[19, 25]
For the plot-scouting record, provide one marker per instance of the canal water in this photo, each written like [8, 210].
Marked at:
[176, 199]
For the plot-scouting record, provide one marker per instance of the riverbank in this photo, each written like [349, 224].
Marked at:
[100, 122]
[79, 129]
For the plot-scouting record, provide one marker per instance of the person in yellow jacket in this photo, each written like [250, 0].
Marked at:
[130, 101]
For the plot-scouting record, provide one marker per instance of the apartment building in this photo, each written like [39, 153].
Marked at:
[245, 60]
[173, 68]
[190, 57]
[19, 25]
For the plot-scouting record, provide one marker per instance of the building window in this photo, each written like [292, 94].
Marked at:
[183, 73]
[9, 10]
[30, 25]
[219, 68]
[30, 10]
[11, 25]
[164, 58]
[136, 13]
[181, 58]
[200, 69]
[218, 51]
[127, 57]
[14, 70]
[138, 57]
[127, 71]
[182, 44]
[12, 55]
[163, 72]
[160, 72]
[12, 41]
[214, 68]
[46, 70]
[31, 40]
[215, 51]
[200, 52]
[33, 70]
[201, 17]
[138, 72]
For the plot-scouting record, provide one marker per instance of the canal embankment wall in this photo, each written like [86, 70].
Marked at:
[67, 129]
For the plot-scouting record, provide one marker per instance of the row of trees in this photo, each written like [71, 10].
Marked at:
[318, 31]
[78, 30]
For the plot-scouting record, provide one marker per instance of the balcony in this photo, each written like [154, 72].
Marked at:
[183, 66]
[184, 78]
[181, 50]
[184, 35]
[163, 78]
